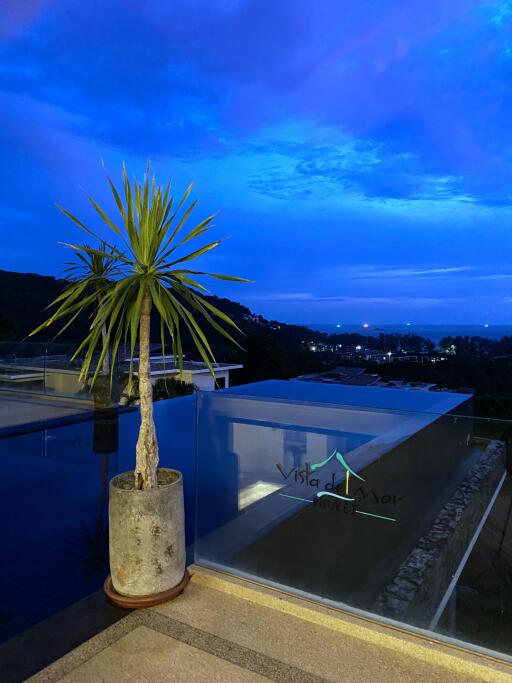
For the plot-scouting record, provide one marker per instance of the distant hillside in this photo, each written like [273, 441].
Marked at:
[270, 348]
[24, 297]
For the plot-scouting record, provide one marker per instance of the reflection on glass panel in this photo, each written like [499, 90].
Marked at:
[54, 509]
[55, 533]
[480, 608]
[370, 508]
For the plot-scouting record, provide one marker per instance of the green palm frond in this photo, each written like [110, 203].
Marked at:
[144, 257]
[94, 267]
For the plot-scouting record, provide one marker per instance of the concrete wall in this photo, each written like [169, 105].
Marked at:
[63, 382]
[204, 381]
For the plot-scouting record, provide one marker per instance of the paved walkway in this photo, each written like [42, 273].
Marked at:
[224, 629]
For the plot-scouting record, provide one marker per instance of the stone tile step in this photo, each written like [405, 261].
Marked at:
[229, 629]
[320, 640]
[147, 655]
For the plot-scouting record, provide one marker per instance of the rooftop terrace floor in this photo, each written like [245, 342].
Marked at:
[227, 629]
[17, 409]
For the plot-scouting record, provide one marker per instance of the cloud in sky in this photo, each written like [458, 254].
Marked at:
[17, 15]
[372, 273]
[351, 300]
[360, 153]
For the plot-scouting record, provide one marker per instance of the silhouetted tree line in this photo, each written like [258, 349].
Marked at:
[275, 350]
[489, 378]
[479, 346]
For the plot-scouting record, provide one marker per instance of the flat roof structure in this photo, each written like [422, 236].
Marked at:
[159, 367]
[382, 398]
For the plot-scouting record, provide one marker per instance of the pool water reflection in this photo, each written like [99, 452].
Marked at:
[54, 506]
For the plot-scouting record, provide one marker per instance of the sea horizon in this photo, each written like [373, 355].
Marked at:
[432, 332]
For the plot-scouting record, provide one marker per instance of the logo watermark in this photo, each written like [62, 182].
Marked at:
[334, 496]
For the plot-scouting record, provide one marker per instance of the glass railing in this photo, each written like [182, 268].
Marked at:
[401, 512]
[50, 370]
[400, 509]
[41, 368]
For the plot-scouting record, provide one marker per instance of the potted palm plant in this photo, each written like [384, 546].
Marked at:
[148, 274]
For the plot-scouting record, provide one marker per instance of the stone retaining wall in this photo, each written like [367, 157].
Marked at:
[416, 591]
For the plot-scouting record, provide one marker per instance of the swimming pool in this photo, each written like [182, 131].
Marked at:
[267, 470]
[54, 506]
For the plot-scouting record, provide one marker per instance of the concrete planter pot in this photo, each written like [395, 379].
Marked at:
[147, 535]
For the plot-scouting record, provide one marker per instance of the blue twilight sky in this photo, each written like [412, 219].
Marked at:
[360, 153]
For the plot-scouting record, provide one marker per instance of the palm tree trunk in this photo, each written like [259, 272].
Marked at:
[106, 361]
[105, 368]
[147, 447]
